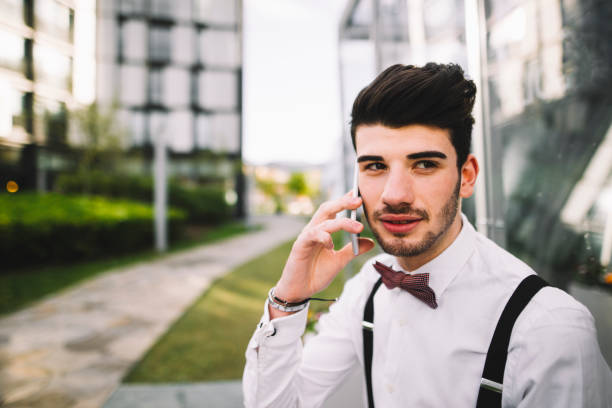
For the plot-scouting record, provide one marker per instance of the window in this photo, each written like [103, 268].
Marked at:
[161, 8]
[219, 48]
[12, 10]
[159, 44]
[215, 11]
[54, 19]
[52, 67]
[12, 55]
[218, 90]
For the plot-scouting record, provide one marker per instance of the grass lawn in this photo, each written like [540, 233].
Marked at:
[23, 286]
[208, 342]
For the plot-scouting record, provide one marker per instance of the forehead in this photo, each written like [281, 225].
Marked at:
[382, 140]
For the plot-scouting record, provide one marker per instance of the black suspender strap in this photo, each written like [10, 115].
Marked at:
[491, 384]
[368, 328]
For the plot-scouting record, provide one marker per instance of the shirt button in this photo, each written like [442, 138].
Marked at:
[390, 388]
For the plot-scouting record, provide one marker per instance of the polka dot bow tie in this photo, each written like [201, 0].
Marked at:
[417, 284]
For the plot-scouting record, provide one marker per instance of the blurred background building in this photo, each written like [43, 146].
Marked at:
[45, 71]
[175, 70]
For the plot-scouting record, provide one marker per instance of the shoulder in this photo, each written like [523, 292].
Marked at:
[554, 346]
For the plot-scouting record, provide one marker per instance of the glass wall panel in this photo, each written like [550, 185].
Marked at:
[219, 48]
[224, 130]
[134, 41]
[181, 131]
[133, 88]
[218, 90]
[215, 11]
[161, 9]
[12, 10]
[12, 115]
[176, 92]
[54, 18]
[183, 45]
[549, 79]
[13, 51]
[130, 7]
[52, 67]
[159, 44]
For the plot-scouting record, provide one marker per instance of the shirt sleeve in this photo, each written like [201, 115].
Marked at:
[279, 372]
[557, 363]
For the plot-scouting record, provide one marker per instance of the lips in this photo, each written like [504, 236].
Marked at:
[399, 224]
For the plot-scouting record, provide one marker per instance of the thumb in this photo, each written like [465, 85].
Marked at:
[346, 253]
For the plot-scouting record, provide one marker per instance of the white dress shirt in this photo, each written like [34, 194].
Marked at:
[427, 357]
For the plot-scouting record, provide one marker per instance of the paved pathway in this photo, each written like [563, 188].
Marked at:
[71, 350]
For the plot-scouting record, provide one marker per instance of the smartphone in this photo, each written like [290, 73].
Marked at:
[355, 237]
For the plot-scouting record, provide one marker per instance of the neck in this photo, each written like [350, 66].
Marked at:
[411, 263]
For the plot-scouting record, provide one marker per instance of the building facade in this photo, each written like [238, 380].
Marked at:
[174, 68]
[39, 84]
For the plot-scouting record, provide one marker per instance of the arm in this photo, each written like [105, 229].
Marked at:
[557, 363]
[276, 375]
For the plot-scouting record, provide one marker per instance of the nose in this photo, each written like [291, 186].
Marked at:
[398, 188]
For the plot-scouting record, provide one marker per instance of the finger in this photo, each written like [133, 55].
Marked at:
[345, 255]
[345, 224]
[317, 236]
[329, 209]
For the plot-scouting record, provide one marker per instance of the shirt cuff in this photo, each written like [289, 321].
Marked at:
[280, 331]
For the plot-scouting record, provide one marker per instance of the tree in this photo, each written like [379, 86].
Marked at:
[297, 184]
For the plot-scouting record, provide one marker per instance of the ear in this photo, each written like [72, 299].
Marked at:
[469, 172]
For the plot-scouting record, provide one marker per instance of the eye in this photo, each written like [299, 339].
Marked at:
[426, 165]
[375, 166]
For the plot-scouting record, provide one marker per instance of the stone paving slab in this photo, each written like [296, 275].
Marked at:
[222, 394]
[218, 394]
[72, 349]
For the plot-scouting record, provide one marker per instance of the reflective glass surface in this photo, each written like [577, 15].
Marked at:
[54, 18]
[12, 55]
[12, 10]
[52, 67]
[551, 113]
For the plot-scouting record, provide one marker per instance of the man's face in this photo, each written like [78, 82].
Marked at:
[410, 185]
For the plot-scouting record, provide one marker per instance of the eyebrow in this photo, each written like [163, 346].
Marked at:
[412, 156]
[429, 153]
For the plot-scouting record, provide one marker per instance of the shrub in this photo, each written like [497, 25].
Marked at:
[202, 204]
[50, 228]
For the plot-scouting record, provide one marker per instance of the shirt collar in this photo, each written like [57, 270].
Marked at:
[443, 268]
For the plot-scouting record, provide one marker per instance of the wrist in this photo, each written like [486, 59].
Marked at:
[284, 305]
[286, 294]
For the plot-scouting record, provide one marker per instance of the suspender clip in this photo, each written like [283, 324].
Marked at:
[367, 325]
[491, 385]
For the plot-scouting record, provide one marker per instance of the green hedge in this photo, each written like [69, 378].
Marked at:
[202, 204]
[50, 228]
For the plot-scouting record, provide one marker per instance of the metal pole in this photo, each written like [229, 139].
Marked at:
[489, 192]
[376, 35]
[161, 196]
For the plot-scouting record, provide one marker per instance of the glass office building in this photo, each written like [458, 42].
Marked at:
[37, 83]
[175, 69]
[543, 133]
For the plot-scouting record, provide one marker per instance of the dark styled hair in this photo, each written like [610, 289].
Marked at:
[435, 95]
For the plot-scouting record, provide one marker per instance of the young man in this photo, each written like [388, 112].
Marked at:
[411, 128]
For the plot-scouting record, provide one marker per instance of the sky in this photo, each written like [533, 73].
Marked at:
[291, 99]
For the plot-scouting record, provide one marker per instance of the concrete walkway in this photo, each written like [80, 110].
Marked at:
[71, 350]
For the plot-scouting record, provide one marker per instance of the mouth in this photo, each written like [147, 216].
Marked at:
[399, 224]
